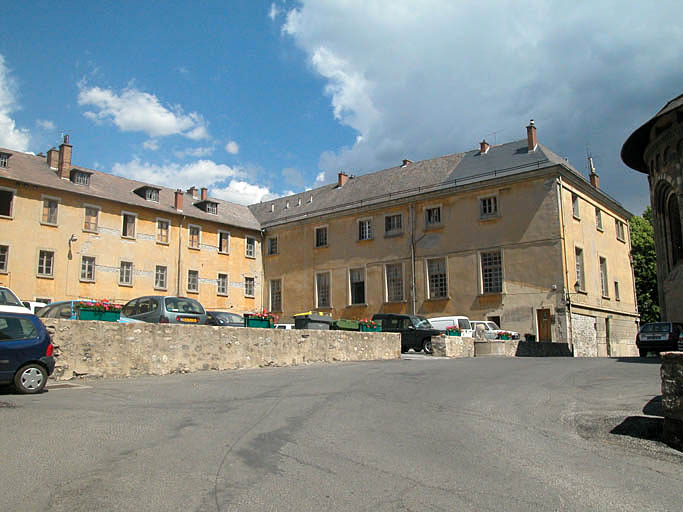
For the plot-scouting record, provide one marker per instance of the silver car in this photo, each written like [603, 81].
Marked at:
[160, 309]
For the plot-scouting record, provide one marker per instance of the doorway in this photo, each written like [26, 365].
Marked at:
[543, 322]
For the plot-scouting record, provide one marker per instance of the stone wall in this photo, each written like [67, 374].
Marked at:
[109, 349]
[452, 346]
[460, 346]
[672, 398]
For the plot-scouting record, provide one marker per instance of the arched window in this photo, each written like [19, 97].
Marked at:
[674, 224]
[669, 218]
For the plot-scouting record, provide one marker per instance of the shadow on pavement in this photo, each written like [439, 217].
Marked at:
[641, 360]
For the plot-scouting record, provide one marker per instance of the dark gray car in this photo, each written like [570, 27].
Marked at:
[224, 318]
[416, 331]
[159, 309]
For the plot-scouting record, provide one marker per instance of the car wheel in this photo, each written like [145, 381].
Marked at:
[427, 346]
[642, 352]
[30, 379]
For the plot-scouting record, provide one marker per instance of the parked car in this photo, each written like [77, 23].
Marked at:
[224, 318]
[443, 322]
[60, 309]
[492, 331]
[659, 337]
[416, 331]
[10, 303]
[160, 309]
[33, 306]
[26, 350]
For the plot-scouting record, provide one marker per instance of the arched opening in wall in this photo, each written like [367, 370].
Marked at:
[670, 221]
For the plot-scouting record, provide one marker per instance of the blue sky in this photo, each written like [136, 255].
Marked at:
[259, 99]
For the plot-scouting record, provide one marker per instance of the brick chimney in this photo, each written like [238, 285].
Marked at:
[342, 178]
[52, 158]
[64, 163]
[532, 142]
[193, 191]
[595, 179]
[484, 147]
[205, 193]
[179, 200]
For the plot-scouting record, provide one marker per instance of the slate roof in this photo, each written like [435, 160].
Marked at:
[415, 178]
[634, 147]
[33, 169]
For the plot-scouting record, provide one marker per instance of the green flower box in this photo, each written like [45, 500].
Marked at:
[261, 323]
[505, 338]
[370, 328]
[453, 333]
[345, 325]
[102, 316]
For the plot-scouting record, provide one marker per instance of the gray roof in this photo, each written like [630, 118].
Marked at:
[33, 169]
[415, 178]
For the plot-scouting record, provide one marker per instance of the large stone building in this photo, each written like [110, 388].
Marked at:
[509, 232]
[656, 149]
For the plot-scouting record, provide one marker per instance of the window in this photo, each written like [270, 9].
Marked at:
[488, 207]
[249, 287]
[580, 274]
[438, 282]
[160, 277]
[162, 231]
[491, 272]
[4, 157]
[393, 224]
[365, 229]
[4, 258]
[128, 229]
[88, 268]
[46, 263]
[603, 277]
[152, 194]
[43, 300]
[276, 295]
[394, 275]
[212, 208]
[598, 219]
[222, 284]
[194, 237]
[193, 281]
[126, 273]
[90, 219]
[617, 296]
[322, 290]
[6, 200]
[250, 247]
[321, 236]
[357, 284]
[621, 231]
[575, 206]
[80, 178]
[49, 211]
[223, 242]
[433, 216]
[272, 245]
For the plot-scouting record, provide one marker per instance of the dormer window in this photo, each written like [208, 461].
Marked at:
[148, 193]
[4, 157]
[208, 206]
[80, 177]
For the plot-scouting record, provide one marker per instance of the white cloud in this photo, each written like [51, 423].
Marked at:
[195, 152]
[138, 111]
[151, 144]
[419, 80]
[243, 193]
[274, 11]
[232, 147]
[201, 173]
[45, 124]
[11, 137]
[293, 177]
[320, 178]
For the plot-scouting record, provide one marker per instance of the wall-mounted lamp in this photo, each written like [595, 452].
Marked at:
[72, 238]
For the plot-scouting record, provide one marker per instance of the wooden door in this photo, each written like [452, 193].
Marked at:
[543, 319]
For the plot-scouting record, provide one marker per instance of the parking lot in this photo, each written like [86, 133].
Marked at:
[413, 434]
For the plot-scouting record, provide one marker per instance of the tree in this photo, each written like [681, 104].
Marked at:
[645, 265]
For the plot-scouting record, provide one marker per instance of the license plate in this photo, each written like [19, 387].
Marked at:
[189, 320]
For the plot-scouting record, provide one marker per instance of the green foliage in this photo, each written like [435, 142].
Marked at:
[645, 265]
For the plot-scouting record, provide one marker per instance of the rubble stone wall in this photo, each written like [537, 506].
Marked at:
[672, 398]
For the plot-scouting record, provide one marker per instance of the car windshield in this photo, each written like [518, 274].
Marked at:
[227, 317]
[492, 326]
[183, 305]
[421, 322]
[655, 327]
[7, 298]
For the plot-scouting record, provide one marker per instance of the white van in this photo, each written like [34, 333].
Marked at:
[10, 303]
[442, 322]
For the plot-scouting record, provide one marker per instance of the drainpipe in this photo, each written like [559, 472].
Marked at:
[263, 271]
[180, 254]
[413, 299]
[567, 288]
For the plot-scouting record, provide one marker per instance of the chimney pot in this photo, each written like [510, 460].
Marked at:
[53, 158]
[483, 147]
[205, 193]
[595, 180]
[193, 191]
[179, 200]
[64, 163]
[532, 142]
[342, 178]
[406, 162]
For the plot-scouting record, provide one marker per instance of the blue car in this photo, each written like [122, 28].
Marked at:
[26, 352]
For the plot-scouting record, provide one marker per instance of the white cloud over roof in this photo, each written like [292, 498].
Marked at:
[10, 135]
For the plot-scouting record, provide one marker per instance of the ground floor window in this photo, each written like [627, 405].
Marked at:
[222, 284]
[357, 284]
[126, 273]
[438, 281]
[249, 287]
[276, 295]
[394, 275]
[491, 272]
[193, 281]
[160, 277]
[322, 290]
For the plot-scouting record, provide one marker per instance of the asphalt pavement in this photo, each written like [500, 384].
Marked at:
[483, 434]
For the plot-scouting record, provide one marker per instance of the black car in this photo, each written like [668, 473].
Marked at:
[224, 318]
[25, 352]
[416, 331]
[659, 337]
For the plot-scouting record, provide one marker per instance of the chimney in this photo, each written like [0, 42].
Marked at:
[64, 164]
[532, 142]
[595, 179]
[406, 162]
[205, 193]
[52, 158]
[484, 147]
[179, 200]
[342, 178]
[193, 191]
